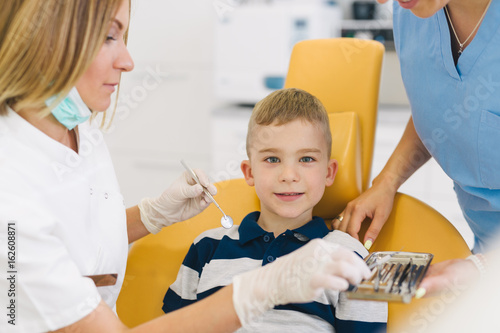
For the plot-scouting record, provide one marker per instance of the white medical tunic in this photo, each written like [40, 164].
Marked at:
[456, 109]
[69, 221]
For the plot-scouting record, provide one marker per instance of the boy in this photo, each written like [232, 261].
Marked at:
[289, 146]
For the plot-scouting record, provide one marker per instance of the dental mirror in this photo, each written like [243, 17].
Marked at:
[226, 221]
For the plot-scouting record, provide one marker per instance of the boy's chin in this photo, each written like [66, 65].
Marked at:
[295, 215]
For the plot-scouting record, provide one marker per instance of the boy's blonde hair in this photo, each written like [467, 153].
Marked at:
[286, 105]
[47, 45]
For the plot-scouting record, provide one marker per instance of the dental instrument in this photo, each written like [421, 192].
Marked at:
[226, 221]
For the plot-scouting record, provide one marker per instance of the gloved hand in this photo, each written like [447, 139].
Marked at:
[181, 201]
[298, 277]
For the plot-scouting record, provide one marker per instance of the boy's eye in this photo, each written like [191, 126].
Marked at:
[307, 159]
[272, 159]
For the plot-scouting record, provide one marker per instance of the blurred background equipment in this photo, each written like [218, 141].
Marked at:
[254, 40]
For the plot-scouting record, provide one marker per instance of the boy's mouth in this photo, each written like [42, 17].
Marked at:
[289, 196]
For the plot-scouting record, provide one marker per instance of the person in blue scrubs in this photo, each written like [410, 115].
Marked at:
[450, 63]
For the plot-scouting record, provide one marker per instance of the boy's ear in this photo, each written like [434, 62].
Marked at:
[331, 171]
[246, 168]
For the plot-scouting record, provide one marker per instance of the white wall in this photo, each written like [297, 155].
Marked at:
[164, 117]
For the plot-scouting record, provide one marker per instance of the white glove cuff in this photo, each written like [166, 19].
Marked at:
[150, 225]
[246, 300]
[480, 261]
[238, 307]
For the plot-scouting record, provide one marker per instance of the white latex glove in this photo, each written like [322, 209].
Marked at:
[181, 201]
[298, 277]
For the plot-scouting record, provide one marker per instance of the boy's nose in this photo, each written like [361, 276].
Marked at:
[288, 174]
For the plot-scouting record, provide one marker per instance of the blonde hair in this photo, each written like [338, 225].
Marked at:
[47, 45]
[286, 105]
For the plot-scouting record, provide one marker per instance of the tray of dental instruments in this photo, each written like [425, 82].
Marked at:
[395, 276]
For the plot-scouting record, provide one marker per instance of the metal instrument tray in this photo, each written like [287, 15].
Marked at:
[395, 279]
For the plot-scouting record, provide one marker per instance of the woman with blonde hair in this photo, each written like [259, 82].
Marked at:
[62, 217]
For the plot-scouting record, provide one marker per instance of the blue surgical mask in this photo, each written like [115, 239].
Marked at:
[71, 111]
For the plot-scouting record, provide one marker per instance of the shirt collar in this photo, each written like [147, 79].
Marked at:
[32, 136]
[250, 230]
[316, 228]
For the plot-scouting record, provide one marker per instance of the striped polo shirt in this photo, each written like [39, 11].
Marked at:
[217, 255]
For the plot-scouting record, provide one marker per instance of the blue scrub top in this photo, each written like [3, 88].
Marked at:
[456, 109]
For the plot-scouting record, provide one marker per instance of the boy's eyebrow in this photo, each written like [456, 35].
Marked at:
[300, 151]
[268, 150]
[310, 150]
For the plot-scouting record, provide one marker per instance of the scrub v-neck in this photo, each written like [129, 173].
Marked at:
[471, 53]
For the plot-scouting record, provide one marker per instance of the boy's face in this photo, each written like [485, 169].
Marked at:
[289, 168]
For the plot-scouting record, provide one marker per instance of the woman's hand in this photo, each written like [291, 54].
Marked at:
[376, 203]
[181, 201]
[448, 276]
[298, 277]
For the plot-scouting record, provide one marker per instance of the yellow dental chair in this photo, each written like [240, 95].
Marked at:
[344, 74]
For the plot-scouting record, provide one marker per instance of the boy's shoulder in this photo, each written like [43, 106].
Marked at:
[218, 234]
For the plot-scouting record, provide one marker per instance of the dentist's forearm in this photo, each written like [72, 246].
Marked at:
[409, 155]
[212, 314]
[135, 227]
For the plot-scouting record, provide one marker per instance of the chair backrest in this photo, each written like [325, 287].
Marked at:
[413, 226]
[344, 73]
[346, 149]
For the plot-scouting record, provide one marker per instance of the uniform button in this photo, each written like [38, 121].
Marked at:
[105, 195]
[91, 191]
[270, 259]
[267, 238]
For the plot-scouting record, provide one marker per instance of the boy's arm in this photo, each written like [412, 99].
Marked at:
[360, 316]
[344, 239]
[183, 291]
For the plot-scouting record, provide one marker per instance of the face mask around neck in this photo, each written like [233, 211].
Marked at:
[72, 111]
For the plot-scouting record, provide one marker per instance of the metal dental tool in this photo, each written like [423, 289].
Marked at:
[410, 276]
[383, 260]
[387, 273]
[416, 277]
[393, 279]
[226, 221]
[379, 276]
[404, 275]
[377, 264]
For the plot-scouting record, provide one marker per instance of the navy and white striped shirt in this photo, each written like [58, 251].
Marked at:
[217, 255]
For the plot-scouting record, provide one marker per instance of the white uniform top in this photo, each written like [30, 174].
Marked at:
[69, 221]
